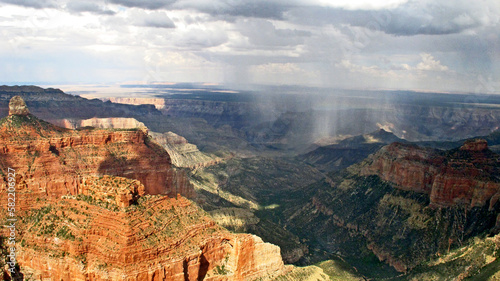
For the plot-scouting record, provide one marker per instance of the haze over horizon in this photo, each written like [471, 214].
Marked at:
[398, 44]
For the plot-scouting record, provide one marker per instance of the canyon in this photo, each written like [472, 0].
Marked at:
[467, 175]
[108, 205]
[417, 202]
[322, 180]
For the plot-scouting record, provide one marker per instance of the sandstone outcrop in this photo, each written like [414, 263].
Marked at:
[88, 237]
[52, 161]
[91, 205]
[17, 106]
[467, 175]
[183, 153]
[404, 203]
[103, 123]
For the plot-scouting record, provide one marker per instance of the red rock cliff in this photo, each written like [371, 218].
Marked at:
[79, 220]
[54, 161]
[92, 236]
[467, 175]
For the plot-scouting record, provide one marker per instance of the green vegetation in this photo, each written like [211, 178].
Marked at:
[221, 270]
[65, 233]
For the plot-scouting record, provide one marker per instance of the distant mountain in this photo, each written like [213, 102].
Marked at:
[348, 151]
[51, 104]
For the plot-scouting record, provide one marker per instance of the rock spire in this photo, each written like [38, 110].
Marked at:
[17, 106]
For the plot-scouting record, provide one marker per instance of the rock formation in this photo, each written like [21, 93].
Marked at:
[183, 153]
[55, 161]
[466, 175]
[53, 104]
[157, 102]
[88, 236]
[103, 123]
[404, 203]
[17, 106]
[87, 210]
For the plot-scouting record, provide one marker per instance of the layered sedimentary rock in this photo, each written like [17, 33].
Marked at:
[54, 161]
[89, 237]
[53, 104]
[183, 153]
[404, 204]
[87, 210]
[159, 103]
[103, 123]
[467, 175]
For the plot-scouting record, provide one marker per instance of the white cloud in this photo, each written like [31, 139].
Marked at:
[429, 63]
[274, 41]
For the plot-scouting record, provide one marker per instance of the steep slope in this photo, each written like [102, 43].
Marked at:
[468, 175]
[242, 193]
[404, 204]
[348, 151]
[104, 123]
[183, 153]
[53, 161]
[157, 238]
[77, 220]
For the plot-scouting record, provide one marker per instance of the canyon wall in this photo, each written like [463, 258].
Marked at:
[467, 175]
[103, 123]
[91, 205]
[54, 161]
[89, 237]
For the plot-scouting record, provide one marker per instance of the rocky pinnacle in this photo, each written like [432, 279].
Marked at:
[17, 106]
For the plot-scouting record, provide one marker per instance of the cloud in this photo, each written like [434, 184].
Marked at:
[430, 64]
[358, 4]
[198, 38]
[263, 33]
[86, 6]
[427, 64]
[144, 4]
[281, 73]
[37, 4]
[158, 19]
[407, 18]
[230, 9]
[372, 70]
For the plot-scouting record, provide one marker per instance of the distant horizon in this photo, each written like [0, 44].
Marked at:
[83, 87]
[431, 46]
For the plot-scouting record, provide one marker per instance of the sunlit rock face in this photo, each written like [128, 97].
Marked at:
[461, 176]
[99, 204]
[17, 106]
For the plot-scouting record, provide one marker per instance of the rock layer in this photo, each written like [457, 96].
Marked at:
[467, 175]
[103, 123]
[91, 205]
[183, 153]
[55, 161]
[157, 238]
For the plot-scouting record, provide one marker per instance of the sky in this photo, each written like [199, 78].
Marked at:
[446, 46]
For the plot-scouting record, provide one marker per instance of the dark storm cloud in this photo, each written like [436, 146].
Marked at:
[412, 18]
[85, 6]
[229, 10]
[37, 4]
[144, 4]
[251, 9]
[157, 19]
